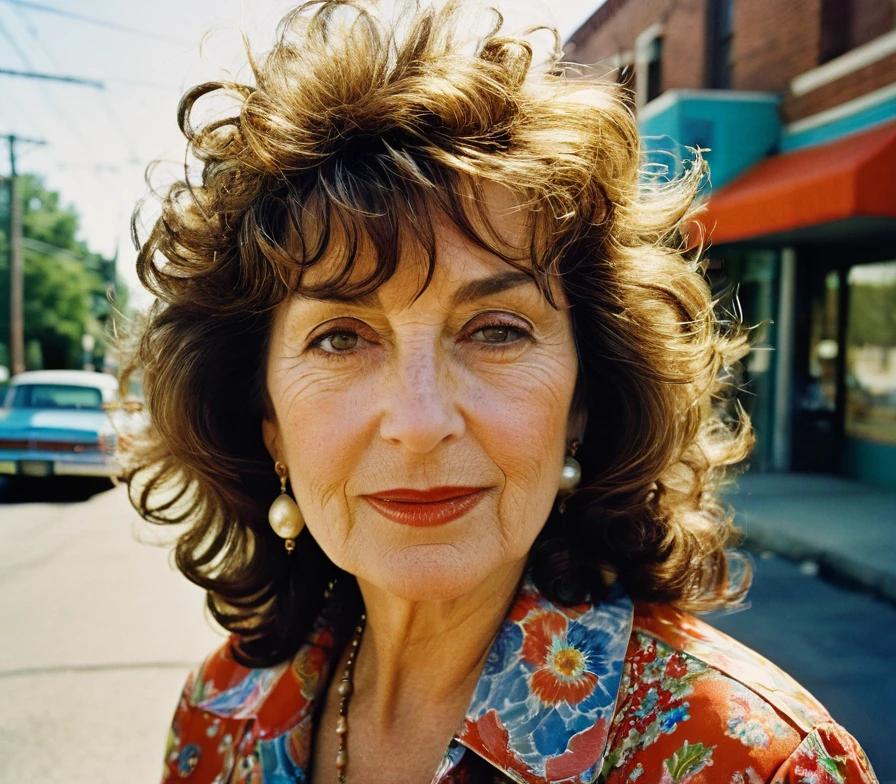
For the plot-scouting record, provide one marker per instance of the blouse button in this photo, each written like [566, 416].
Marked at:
[187, 760]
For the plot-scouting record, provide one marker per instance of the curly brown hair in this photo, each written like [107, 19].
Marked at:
[364, 129]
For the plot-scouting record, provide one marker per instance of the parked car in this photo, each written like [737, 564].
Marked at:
[58, 423]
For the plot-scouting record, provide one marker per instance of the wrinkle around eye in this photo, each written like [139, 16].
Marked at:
[523, 334]
[334, 328]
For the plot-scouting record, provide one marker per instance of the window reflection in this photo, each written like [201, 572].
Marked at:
[821, 390]
[871, 353]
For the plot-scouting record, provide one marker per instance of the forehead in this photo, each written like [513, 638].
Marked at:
[424, 243]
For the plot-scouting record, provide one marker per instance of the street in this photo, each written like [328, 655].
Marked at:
[836, 642]
[101, 631]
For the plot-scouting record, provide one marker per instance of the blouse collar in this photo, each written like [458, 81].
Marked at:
[543, 705]
[540, 712]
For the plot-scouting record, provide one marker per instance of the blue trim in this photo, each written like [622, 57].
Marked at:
[843, 126]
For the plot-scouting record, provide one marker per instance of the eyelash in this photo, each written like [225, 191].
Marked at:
[525, 334]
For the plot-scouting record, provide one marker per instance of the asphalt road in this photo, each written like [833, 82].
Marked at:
[100, 630]
[837, 642]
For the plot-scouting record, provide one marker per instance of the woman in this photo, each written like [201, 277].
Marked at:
[438, 391]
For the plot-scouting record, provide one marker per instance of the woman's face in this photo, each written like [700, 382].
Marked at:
[469, 386]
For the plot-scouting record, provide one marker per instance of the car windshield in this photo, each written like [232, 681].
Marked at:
[54, 396]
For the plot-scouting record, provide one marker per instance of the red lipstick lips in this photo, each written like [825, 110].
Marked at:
[423, 508]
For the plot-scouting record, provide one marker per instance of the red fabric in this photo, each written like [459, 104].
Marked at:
[693, 706]
[850, 177]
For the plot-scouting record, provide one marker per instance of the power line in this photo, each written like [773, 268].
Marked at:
[54, 106]
[23, 55]
[97, 22]
[23, 139]
[35, 34]
[54, 78]
[17, 111]
[67, 122]
[107, 103]
[45, 247]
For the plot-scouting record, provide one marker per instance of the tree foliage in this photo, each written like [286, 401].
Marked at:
[872, 314]
[66, 285]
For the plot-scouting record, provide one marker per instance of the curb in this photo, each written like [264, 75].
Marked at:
[836, 567]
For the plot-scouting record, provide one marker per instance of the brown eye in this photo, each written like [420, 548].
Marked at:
[342, 341]
[500, 334]
[496, 334]
[336, 343]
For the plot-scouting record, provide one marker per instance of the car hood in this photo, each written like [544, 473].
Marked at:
[53, 424]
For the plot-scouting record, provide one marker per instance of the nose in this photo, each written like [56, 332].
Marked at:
[420, 408]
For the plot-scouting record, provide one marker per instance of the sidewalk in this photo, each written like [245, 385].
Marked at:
[848, 528]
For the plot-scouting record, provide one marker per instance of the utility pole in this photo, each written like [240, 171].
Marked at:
[16, 263]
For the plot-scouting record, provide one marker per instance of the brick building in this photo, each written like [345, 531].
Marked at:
[796, 101]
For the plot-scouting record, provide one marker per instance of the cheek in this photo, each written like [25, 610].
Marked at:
[515, 416]
[325, 423]
[326, 415]
[522, 422]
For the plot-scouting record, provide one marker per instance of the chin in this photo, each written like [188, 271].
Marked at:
[430, 572]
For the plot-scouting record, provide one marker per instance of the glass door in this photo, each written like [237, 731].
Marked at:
[817, 413]
[870, 374]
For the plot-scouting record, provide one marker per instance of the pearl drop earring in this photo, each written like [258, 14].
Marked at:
[284, 515]
[571, 474]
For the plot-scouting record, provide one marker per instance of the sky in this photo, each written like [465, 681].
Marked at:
[98, 142]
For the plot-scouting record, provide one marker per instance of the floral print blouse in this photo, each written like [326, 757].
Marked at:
[614, 693]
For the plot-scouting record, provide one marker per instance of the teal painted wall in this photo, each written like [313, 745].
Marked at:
[870, 462]
[859, 121]
[739, 130]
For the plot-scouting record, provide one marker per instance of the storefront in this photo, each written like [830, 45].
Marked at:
[846, 416]
[808, 241]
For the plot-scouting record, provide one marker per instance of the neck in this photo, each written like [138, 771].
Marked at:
[421, 655]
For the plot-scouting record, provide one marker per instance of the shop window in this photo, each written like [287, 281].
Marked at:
[720, 29]
[754, 276]
[654, 68]
[821, 390]
[871, 353]
[816, 433]
[836, 24]
[649, 64]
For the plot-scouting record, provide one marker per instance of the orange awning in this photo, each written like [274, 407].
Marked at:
[851, 177]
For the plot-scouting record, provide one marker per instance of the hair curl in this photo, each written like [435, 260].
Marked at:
[360, 129]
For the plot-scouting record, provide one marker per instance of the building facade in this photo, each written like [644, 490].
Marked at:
[795, 101]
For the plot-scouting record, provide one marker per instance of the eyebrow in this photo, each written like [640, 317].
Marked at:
[471, 290]
[484, 287]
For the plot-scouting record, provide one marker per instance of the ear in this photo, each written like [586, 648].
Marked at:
[578, 420]
[270, 434]
[578, 415]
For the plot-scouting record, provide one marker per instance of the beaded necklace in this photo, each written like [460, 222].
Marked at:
[345, 689]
